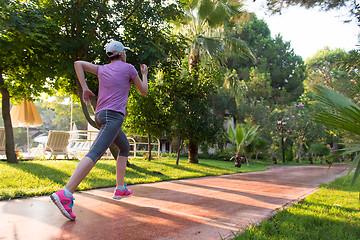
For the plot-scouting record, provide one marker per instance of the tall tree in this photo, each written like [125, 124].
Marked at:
[275, 57]
[204, 28]
[325, 68]
[189, 106]
[287, 70]
[25, 50]
[145, 115]
[259, 85]
[85, 27]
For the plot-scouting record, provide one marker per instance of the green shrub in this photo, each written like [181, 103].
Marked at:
[261, 156]
[169, 155]
[225, 155]
[289, 156]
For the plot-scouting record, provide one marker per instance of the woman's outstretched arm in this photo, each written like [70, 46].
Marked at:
[80, 67]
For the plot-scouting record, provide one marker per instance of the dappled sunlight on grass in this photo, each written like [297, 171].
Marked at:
[35, 178]
[31, 178]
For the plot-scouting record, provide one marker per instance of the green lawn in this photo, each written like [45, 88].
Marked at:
[36, 178]
[331, 213]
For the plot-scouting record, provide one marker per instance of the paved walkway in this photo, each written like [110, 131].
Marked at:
[198, 208]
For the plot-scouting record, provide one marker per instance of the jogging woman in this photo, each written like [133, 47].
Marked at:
[115, 80]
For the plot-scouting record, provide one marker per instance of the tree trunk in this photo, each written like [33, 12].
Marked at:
[9, 135]
[178, 151]
[83, 105]
[221, 146]
[149, 146]
[237, 160]
[335, 150]
[193, 152]
[283, 144]
[194, 60]
[299, 153]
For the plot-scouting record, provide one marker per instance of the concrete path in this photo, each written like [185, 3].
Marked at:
[199, 208]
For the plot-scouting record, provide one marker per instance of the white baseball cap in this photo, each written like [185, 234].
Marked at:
[114, 48]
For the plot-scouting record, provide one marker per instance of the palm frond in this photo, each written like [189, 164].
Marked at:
[333, 98]
[355, 113]
[240, 134]
[238, 48]
[212, 46]
[230, 135]
[356, 162]
[337, 110]
[231, 132]
[211, 11]
[205, 8]
[337, 121]
[192, 3]
[251, 134]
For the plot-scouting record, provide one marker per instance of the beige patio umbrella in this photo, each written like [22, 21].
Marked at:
[27, 115]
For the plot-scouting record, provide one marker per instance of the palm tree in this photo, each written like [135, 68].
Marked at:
[203, 26]
[340, 112]
[242, 137]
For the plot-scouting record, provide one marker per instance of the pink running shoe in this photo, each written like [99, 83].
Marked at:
[118, 194]
[64, 203]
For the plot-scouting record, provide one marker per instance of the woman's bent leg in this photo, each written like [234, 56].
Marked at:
[81, 171]
[62, 198]
[110, 123]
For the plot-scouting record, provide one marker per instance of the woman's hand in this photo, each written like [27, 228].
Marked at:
[86, 95]
[142, 85]
[144, 69]
[80, 67]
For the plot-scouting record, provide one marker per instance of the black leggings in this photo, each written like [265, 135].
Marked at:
[110, 123]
